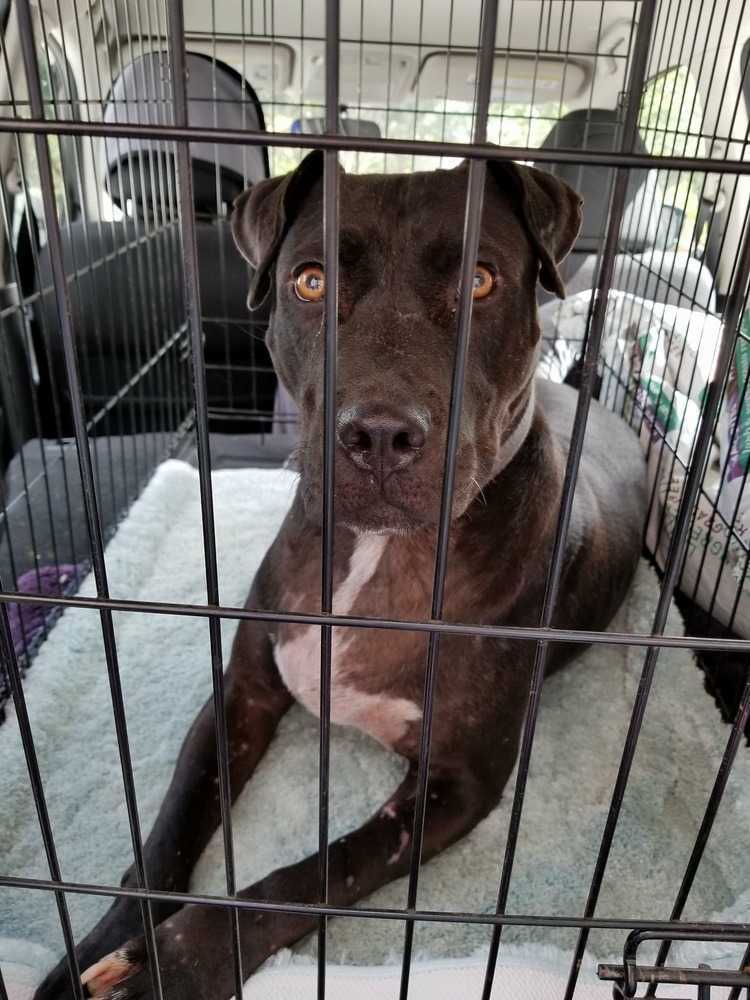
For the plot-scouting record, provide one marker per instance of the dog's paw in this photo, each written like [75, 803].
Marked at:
[120, 977]
[125, 974]
[195, 957]
[121, 923]
[96, 980]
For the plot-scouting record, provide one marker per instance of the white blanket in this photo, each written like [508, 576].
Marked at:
[657, 363]
[157, 554]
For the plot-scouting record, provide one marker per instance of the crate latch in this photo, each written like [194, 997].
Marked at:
[626, 978]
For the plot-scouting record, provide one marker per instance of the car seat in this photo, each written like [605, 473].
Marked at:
[642, 266]
[128, 297]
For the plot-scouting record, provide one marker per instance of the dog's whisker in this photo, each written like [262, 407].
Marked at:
[481, 491]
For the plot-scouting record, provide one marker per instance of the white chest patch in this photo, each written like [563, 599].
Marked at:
[298, 659]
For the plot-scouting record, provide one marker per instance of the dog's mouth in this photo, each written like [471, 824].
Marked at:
[400, 505]
[368, 510]
[383, 518]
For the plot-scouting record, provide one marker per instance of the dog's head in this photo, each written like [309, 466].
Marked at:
[400, 255]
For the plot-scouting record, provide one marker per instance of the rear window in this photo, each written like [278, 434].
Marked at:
[519, 124]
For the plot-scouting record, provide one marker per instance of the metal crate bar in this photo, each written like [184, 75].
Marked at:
[744, 967]
[331, 318]
[597, 314]
[632, 973]
[178, 74]
[672, 572]
[472, 226]
[8, 655]
[654, 975]
[361, 144]
[728, 931]
[354, 621]
[31, 68]
[712, 807]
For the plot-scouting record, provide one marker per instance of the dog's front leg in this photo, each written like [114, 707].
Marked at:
[194, 944]
[255, 700]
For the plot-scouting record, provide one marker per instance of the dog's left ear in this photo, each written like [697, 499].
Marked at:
[261, 218]
[550, 212]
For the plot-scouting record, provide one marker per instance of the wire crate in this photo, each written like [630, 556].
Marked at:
[131, 125]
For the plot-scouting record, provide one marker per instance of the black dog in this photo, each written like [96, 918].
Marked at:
[400, 256]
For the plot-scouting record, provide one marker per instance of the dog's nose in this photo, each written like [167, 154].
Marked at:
[380, 437]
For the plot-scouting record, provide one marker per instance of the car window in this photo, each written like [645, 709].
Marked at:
[60, 100]
[511, 124]
[670, 124]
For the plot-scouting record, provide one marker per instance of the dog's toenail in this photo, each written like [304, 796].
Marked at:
[106, 973]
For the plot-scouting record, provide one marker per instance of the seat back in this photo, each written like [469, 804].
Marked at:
[644, 266]
[217, 97]
[597, 129]
[128, 297]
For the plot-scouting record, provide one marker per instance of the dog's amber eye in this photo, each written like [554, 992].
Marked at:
[484, 282]
[310, 283]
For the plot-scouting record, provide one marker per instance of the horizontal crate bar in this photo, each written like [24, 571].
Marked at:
[363, 144]
[686, 977]
[717, 931]
[393, 624]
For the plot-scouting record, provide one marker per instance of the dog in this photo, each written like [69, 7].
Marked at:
[400, 254]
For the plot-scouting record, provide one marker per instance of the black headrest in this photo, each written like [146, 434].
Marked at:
[217, 97]
[598, 129]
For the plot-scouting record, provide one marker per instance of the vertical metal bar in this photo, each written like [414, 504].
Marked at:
[33, 393]
[141, 283]
[302, 65]
[152, 286]
[223, 284]
[31, 67]
[717, 792]
[416, 88]
[446, 79]
[744, 966]
[117, 505]
[389, 79]
[585, 393]
[331, 263]
[671, 60]
[8, 657]
[168, 229]
[506, 70]
[87, 245]
[164, 286]
[472, 229]
[132, 282]
[537, 52]
[672, 571]
[176, 32]
[173, 246]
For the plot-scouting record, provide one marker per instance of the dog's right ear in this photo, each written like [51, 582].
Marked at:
[261, 218]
